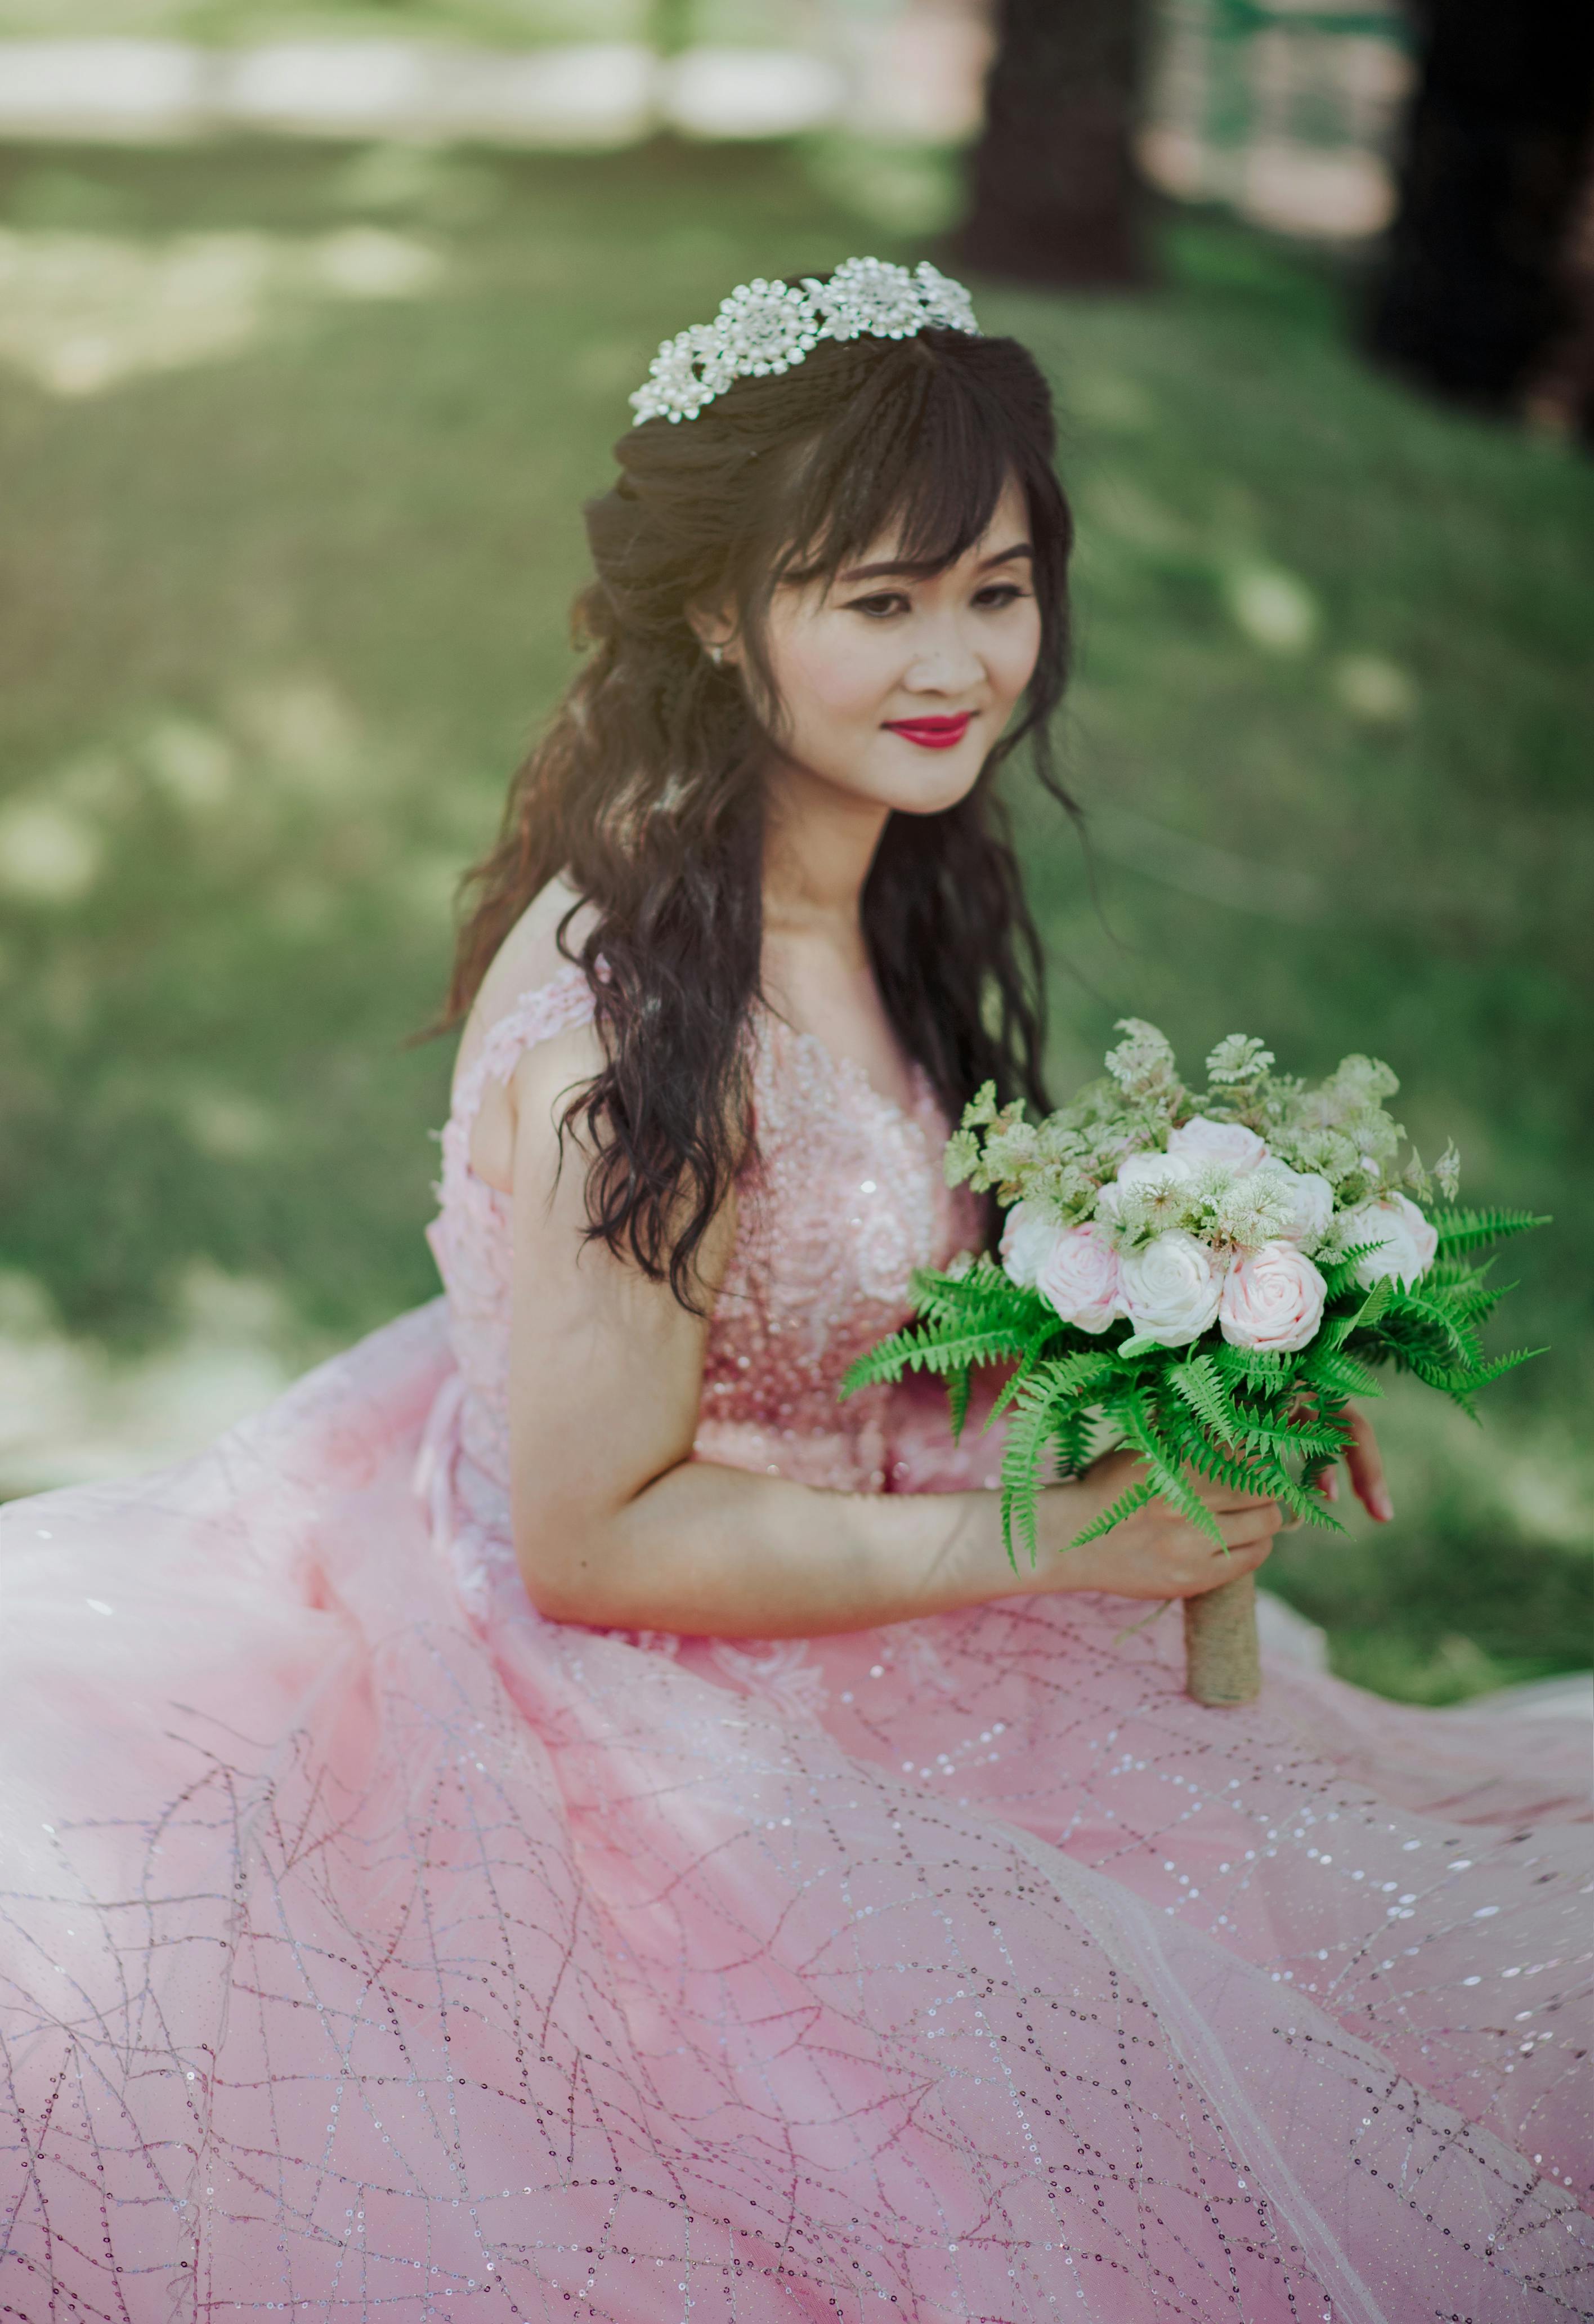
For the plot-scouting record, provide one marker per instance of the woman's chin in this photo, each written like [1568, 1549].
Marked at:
[927, 784]
[934, 794]
[937, 781]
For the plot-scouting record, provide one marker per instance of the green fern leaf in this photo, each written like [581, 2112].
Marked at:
[887, 1360]
[957, 1402]
[1466, 1230]
[918, 1349]
[1408, 1308]
[1293, 1437]
[1200, 1384]
[1127, 1503]
[1259, 1368]
[1072, 1440]
[1499, 1366]
[1038, 1404]
[1023, 1372]
[1029, 1432]
[1164, 1469]
[1339, 1374]
[1362, 1317]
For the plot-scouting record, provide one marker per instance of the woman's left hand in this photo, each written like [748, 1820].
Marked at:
[1366, 1467]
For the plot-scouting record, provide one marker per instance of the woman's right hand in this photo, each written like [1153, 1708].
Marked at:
[1155, 1552]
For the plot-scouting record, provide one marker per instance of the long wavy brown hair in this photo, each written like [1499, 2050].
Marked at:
[646, 792]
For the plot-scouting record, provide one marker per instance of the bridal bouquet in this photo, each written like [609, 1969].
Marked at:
[1204, 1277]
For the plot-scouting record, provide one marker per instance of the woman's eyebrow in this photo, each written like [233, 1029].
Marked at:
[882, 571]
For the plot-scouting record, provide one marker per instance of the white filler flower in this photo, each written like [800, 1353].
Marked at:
[1080, 1276]
[1171, 1288]
[1273, 1297]
[1408, 1241]
[1228, 1142]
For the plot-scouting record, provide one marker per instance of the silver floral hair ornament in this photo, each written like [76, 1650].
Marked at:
[764, 327]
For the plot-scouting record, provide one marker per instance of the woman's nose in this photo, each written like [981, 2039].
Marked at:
[945, 663]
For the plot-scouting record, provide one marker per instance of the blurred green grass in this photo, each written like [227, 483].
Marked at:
[512, 23]
[277, 626]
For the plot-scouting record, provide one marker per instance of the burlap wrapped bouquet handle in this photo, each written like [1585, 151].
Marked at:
[1222, 1659]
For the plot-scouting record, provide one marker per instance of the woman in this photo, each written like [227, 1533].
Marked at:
[652, 1853]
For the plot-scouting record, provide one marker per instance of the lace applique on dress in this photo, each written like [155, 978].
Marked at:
[844, 1201]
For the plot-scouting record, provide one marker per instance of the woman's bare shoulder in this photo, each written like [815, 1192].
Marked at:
[528, 958]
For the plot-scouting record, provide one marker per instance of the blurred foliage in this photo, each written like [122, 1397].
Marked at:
[278, 624]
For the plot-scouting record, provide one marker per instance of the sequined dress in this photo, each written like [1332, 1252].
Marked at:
[375, 1949]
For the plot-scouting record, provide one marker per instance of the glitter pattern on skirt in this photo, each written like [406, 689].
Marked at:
[374, 1949]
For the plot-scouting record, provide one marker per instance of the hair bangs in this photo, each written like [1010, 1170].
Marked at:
[918, 466]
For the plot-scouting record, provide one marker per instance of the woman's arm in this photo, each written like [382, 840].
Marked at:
[616, 1524]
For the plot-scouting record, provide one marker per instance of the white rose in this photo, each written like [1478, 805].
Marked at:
[1028, 1236]
[1172, 1287]
[1228, 1142]
[1310, 1194]
[1143, 1169]
[1080, 1276]
[1408, 1241]
[1174, 1168]
[1273, 1297]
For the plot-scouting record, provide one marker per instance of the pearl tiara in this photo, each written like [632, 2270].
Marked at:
[764, 327]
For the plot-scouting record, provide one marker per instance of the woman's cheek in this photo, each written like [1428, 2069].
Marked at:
[1012, 664]
[848, 680]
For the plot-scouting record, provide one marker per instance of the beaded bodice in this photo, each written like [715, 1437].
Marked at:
[845, 1197]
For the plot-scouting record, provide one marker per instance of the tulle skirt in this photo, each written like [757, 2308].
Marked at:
[375, 1950]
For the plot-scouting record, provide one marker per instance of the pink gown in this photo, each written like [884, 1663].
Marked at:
[374, 1949]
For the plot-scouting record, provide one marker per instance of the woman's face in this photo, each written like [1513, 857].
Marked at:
[894, 688]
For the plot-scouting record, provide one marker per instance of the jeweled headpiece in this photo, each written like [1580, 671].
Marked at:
[768, 326]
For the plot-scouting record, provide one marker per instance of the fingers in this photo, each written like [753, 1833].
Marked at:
[1244, 1528]
[1363, 1461]
[1220, 1498]
[1210, 1568]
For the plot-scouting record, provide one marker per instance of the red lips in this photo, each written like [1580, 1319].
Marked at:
[932, 733]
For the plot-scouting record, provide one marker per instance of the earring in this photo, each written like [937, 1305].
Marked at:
[716, 654]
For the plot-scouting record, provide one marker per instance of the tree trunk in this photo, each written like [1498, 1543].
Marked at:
[1469, 294]
[1056, 198]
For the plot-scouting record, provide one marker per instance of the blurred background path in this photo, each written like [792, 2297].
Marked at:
[315, 330]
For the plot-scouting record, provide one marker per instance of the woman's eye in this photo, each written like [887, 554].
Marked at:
[878, 607]
[998, 594]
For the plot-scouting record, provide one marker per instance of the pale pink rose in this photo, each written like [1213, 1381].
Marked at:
[1273, 1298]
[1228, 1142]
[1171, 1288]
[1079, 1278]
[1311, 1195]
[1028, 1236]
[1408, 1241]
